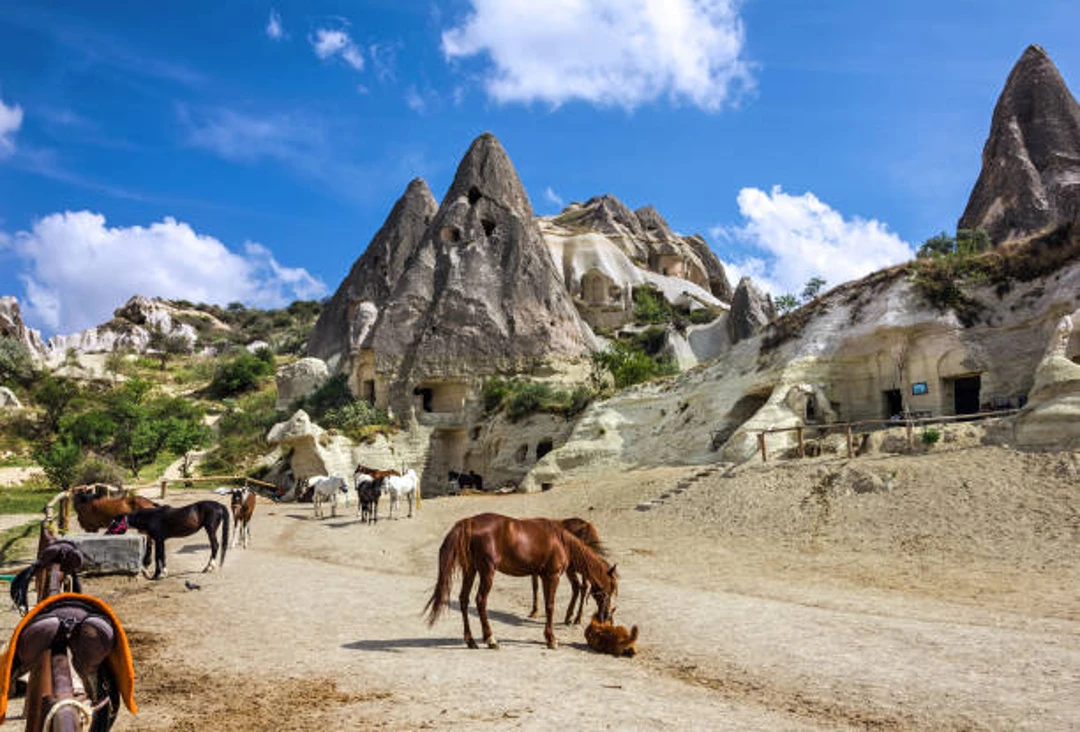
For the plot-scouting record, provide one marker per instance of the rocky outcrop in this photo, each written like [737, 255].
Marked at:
[751, 310]
[12, 326]
[647, 240]
[298, 380]
[347, 319]
[1030, 175]
[1051, 418]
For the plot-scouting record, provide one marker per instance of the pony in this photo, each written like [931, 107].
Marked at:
[166, 522]
[401, 485]
[242, 503]
[488, 543]
[579, 587]
[368, 492]
[97, 513]
[326, 488]
[606, 637]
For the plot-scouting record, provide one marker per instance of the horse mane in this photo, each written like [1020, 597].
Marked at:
[586, 531]
[585, 560]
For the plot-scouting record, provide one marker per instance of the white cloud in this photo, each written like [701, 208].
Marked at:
[553, 198]
[384, 60]
[608, 52]
[414, 100]
[328, 43]
[274, 29]
[793, 238]
[10, 121]
[77, 270]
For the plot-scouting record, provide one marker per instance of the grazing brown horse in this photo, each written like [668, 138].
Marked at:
[579, 586]
[166, 522]
[97, 513]
[488, 543]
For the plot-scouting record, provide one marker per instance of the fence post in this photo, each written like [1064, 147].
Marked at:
[761, 444]
[850, 449]
[164, 483]
[802, 447]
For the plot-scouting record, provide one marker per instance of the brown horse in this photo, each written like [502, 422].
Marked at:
[489, 543]
[97, 513]
[166, 522]
[579, 586]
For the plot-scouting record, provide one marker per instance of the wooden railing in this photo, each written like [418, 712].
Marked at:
[872, 425]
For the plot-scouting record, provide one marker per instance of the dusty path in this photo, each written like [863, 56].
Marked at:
[318, 625]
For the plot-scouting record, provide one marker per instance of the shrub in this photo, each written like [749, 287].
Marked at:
[650, 306]
[629, 363]
[357, 419]
[930, 436]
[240, 373]
[16, 365]
[528, 398]
[521, 398]
[98, 470]
[703, 315]
[333, 394]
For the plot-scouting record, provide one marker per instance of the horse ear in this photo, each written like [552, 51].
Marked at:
[611, 572]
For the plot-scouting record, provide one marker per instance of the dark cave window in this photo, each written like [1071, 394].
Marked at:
[474, 195]
[489, 226]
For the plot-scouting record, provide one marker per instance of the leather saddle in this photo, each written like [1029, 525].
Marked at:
[88, 628]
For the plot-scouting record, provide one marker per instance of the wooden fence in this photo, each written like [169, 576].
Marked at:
[850, 429]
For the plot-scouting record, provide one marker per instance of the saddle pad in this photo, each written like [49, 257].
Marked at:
[119, 660]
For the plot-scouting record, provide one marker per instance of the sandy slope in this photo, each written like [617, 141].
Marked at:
[765, 600]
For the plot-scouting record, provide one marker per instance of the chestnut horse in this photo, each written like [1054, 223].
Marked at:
[585, 531]
[488, 543]
[97, 513]
[166, 522]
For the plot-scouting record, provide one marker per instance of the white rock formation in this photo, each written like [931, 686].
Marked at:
[299, 379]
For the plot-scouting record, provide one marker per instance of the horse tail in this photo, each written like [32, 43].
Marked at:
[224, 532]
[453, 556]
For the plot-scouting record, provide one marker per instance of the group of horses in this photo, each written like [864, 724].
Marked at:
[161, 522]
[370, 484]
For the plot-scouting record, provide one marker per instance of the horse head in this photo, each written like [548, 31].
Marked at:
[605, 597]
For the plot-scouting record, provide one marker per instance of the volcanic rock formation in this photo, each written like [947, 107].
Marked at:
[751, 310]
[1030, 175]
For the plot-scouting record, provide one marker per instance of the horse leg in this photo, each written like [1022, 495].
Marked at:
[487, 578]
[536, 591]
[333, 505]
[159, 557]
[239, 530]
[575, 588]
[412, 499]
[551, 583]
[581, 599]
[211, 532]
[463, 600]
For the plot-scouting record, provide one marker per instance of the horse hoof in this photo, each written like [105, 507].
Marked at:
[471, 643]
[553, 644]
[533, 614]
[493, 644]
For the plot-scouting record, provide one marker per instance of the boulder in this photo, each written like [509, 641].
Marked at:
[299, 379]
[1051, 418]
[751, 310]
[1030, 175]
[8, 400]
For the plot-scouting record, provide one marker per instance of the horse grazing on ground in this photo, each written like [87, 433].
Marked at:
[326, 488]
[166, 522]
[579, 586]
[401, 486]
[242, 503]
[97, 513]
[488, 543]
[368, 492]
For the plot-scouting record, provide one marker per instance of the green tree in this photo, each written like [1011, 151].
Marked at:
[184, 436]
[972, 241]
[16, 364]
[166, 345]
[240, 374]
[629, 364]
[786, 303]
[812, 288]
[937, 246]
[55, 394]
[60, 460]
[116, 363]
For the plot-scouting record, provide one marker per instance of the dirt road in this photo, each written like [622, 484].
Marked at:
[752, 615]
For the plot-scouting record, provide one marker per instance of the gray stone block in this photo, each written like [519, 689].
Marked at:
[107, 554]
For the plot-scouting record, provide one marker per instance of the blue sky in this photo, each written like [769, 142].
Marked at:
[249, 151]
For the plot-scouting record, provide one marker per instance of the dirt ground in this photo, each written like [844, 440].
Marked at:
[939, 591]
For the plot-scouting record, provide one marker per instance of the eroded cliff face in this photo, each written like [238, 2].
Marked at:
[1030, 176]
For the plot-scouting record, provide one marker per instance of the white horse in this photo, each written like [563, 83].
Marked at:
[401, 485]
[326, 488]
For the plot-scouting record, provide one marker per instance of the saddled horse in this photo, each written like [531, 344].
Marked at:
[579, 586]
[166, 522]
[488, 543]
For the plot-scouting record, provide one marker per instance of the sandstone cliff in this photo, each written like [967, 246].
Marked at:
[1030, 175]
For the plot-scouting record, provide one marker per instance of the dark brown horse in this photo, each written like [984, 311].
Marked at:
[166, 522]
[579, 586]
[488, 543]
